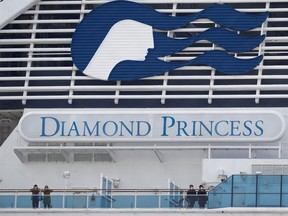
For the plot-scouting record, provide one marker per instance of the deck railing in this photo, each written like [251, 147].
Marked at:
[99, 199]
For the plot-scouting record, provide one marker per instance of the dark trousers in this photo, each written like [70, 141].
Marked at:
[35, 201]
[46, 205]
[192, 203]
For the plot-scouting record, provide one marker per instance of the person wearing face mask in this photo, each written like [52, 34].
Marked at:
[202, 196]
[47, 199]
[191, 196]
[35, 196]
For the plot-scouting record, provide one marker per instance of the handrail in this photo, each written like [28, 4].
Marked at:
[183, 191]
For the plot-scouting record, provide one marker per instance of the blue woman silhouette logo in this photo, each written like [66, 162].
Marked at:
[118, 41]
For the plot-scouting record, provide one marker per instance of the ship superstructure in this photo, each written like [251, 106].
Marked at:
[198, 123]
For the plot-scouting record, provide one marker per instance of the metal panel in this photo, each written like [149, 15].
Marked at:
[12, 8]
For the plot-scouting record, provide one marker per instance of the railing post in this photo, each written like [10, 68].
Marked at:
[281, 188]
[135, 199]
[232, 182]
[111, 200]
[15, 200]
[256, 198]
[87, 200]
[63, 200]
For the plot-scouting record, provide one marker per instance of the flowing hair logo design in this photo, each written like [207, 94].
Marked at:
[116, 41]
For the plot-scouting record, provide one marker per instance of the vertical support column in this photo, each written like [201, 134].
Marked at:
[30, 55]
[209, 151]
[101, 184]
[280, 150]
[260, 51]
[250, 151]
[210, 93]
[117, 93]
[165, 81]
[73, 75]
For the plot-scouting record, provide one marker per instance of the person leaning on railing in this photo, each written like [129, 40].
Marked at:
[202, 196]
[191, 196]
[47, 199]
[35, 196]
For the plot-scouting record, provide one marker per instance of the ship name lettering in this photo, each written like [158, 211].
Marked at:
[209, 128]
[52, 126]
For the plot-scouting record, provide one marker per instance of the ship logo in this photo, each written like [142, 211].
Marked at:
[124, 40]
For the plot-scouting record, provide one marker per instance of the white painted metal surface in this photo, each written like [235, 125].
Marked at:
[37, 44]
[10, 9]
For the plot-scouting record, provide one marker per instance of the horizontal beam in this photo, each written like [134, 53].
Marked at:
[153, 148]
